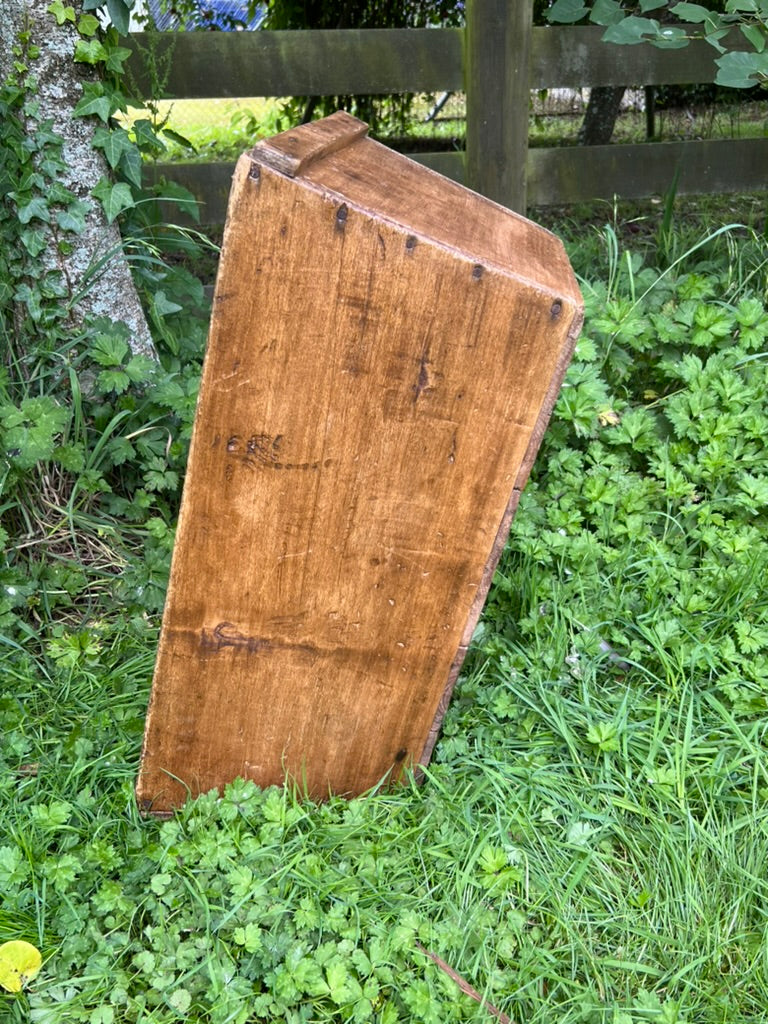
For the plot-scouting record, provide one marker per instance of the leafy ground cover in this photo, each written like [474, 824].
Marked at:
[591, 841]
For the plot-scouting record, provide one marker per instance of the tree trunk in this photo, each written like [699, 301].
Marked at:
[600, 117]
[95, 268]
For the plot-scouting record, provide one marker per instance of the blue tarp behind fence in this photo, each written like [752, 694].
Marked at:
[227, 15]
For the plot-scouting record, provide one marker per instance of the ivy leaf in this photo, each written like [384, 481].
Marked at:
[713, 39]
[651, 5]
[94, 102]
[113, 142]
[87, 25]
[35, 209]
[119, 14]
[56, 193]
[131, 165]
[146, 136]
[60, 12]
[114, 198]
[116, 56]
[163, 306]
[89, 52]
[33, 241]
[567, 11]
[73, 218]
[31, 298]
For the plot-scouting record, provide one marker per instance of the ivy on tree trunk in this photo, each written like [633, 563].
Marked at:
[93, 262]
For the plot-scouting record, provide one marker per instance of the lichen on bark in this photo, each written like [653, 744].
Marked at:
[94, 265]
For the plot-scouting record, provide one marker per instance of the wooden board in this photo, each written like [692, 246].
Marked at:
[207, 65]
[573, 174]
[337, 62]
[384, 353]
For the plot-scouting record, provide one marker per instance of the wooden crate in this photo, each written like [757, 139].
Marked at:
[385, 350]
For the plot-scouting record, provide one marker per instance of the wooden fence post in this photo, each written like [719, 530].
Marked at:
[496, 72]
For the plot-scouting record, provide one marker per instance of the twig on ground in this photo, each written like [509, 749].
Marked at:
[464, 985]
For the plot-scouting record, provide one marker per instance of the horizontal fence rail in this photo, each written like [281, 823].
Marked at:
[497, 60]
[212, 65]
[576, 174]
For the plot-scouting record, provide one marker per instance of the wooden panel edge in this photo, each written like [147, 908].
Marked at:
[292, 152]
[563, 361]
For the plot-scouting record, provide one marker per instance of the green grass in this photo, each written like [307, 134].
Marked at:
[590, 843]
[561, 882]
[221, 129]
[213, 124]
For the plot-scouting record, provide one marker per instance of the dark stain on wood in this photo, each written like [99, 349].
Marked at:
[423, 381]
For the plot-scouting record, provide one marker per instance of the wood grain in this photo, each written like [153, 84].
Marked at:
[384, 352]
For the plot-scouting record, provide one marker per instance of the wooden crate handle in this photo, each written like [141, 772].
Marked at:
[292, 152]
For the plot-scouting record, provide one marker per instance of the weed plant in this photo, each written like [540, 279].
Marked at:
[590, 843]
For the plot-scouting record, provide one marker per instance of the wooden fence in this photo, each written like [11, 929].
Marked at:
[497, 59]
